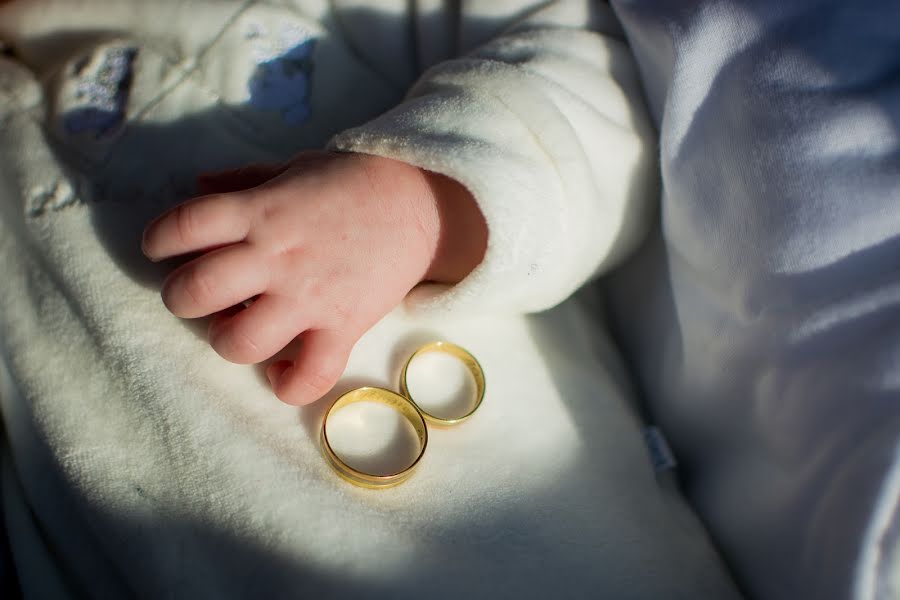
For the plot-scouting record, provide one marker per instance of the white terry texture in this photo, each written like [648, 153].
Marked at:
[137, 463]
[546, 127]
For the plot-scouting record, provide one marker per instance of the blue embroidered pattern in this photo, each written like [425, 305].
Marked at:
[102, 95]
[281, 80]
[282, 84]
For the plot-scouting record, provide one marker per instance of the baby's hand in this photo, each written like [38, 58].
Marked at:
[326, 245]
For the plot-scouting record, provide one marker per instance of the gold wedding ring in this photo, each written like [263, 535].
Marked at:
[398, 403]
[408, 408]
[467, 360]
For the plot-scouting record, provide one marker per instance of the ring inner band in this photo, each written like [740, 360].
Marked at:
[468, 361]
[380, 396]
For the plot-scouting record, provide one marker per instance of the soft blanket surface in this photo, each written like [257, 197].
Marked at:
[139, 463]
[763, 317]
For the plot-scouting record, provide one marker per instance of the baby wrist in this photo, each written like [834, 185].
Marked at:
[462, 232]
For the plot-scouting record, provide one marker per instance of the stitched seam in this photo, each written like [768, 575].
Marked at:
[194, 63]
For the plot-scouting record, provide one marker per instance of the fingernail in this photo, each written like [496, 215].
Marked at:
[144, 245]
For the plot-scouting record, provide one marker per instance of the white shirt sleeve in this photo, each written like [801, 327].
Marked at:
[545, 125]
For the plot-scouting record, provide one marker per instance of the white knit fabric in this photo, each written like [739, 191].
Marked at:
[139, 463]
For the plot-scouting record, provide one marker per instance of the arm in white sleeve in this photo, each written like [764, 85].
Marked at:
[545, 125]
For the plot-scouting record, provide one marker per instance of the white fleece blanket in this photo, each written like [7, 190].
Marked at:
[138, 463]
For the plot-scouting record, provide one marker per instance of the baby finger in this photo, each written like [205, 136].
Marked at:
[256, 332]
[198, 224]
[215, 281]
